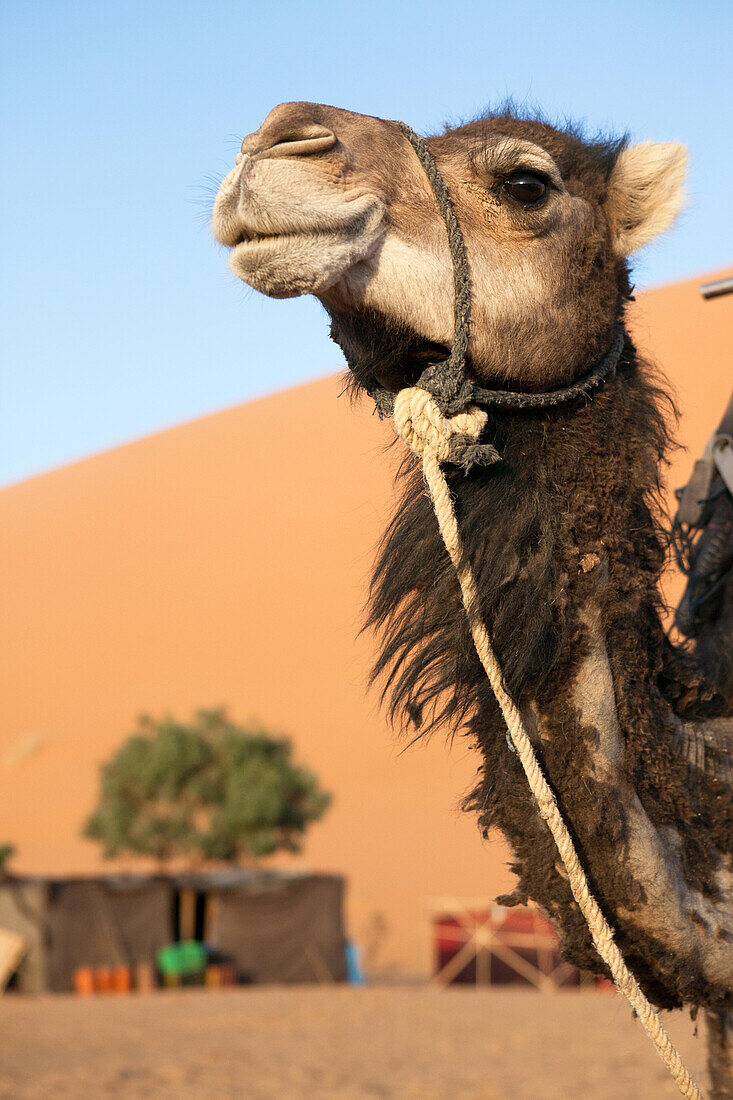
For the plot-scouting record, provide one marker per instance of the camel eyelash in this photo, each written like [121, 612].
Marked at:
[500, 160]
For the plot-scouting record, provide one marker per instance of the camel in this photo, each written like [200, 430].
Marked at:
[565, 534]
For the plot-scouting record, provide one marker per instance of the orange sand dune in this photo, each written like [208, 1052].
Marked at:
[225, 562]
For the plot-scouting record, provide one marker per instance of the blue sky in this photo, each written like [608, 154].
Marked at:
[117, 311]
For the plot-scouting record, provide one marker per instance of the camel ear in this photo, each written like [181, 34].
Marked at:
[645, 193]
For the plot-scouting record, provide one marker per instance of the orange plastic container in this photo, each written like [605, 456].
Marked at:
[121, 979]
[144, 979]
[212, 977]
[84, 981]
[102, 979]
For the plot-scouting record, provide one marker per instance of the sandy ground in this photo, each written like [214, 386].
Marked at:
[323, 1043]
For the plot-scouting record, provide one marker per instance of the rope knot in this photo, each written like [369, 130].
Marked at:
[427, 431]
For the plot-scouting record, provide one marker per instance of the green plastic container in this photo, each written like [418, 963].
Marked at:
[182, 959]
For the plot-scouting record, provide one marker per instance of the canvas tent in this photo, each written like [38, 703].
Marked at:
[274, 927]
[289, 932]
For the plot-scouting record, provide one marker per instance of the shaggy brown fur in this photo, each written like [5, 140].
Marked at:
[573, 483]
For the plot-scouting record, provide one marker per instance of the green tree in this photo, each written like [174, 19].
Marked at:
[207, 790]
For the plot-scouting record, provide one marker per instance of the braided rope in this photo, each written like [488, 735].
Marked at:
[424, 428]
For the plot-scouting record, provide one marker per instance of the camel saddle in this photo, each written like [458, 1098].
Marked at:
[703, 530]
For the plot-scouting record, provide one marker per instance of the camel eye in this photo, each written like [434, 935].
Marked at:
[525, 187]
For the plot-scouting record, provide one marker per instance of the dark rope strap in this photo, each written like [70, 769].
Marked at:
[595, 377]
[447, 380]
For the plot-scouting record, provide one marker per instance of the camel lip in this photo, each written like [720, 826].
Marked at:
[252, 248]
[250, 238]
[351, 223]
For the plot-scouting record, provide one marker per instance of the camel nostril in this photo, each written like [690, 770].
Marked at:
[295, 141]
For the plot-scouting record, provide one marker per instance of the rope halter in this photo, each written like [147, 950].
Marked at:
[448, 381]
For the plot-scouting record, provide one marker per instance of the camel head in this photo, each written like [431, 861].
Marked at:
[326, 202]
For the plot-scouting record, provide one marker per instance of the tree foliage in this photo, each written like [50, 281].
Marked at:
[208, 790]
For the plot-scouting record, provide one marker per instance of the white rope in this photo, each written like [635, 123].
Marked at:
[427, 432]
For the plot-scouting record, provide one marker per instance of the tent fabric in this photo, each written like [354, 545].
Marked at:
[290, 932]
[105, 923]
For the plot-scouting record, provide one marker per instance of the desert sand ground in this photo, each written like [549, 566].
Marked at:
[342, 1042]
